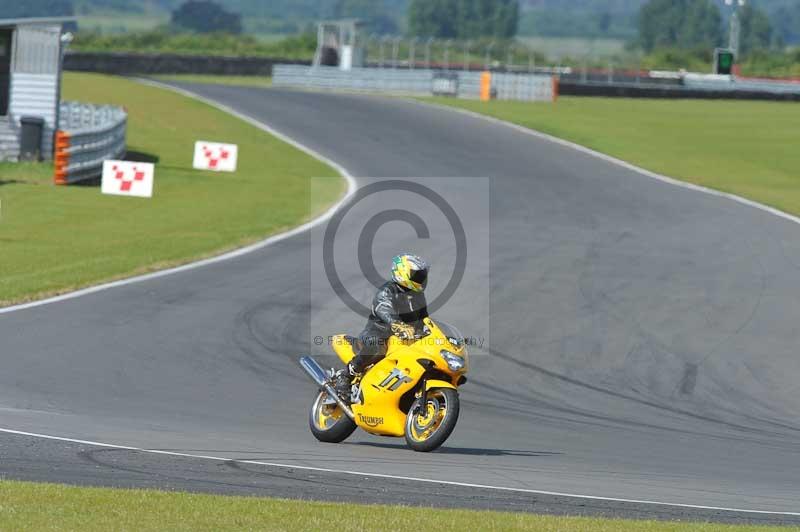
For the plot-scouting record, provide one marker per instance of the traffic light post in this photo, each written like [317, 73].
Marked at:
[724, 59]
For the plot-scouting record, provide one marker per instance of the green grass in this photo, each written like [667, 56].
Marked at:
[28, 506]
[29, 173]
[121, 22]
[56, 239]
[241, 81]
[747, 148]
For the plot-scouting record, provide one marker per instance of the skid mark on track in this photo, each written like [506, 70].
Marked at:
[638, 400]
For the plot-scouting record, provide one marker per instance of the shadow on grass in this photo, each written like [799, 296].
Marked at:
[141, 157]
[133, 156]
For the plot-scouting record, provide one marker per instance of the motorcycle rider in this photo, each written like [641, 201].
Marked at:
[398, 308]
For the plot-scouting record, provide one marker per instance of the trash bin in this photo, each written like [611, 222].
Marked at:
[31, 142]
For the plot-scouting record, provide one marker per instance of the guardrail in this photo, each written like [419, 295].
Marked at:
[416, 82]
[734, 84]
[87, 135]
[663, 84]
[399, 81]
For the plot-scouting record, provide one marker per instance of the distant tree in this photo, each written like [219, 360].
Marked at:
[463, 19]
[129, 6]
[756, 30]
[204, 16]
[40, 8]
[786, 21]
[433, 18]
[604, 22]
[374, 14]
[679, 24]
[506, 20]
[383, 24]
[37, 8]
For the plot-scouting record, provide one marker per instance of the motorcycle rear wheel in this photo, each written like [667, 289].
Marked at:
[427, 429]
[328, 423]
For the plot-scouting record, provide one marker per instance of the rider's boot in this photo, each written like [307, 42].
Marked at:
[343, 381]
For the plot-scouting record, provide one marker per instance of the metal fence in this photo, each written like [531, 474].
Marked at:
[411, 82]
[524, 87]
[414, 82]
[88, 135]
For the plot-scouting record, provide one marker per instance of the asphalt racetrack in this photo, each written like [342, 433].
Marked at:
[643, 342]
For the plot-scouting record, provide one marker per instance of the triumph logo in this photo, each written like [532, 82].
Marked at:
[371, 421]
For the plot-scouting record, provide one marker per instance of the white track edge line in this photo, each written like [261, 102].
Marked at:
[351, 188]
[613, 160]
[397, 477]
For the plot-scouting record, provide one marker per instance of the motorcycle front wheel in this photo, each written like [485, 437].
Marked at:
[427, 428]
[327, 421]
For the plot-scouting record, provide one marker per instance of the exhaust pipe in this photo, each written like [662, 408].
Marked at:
[315, 371]
[320, 378]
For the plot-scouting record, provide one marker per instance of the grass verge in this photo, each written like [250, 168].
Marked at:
[746, 148]
[29, 506]
[240, 81]
[57, 239]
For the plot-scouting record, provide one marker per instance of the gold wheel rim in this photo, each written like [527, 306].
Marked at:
[435, 413]
[326, 415]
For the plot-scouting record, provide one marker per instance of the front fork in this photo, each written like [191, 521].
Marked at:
[423, 398]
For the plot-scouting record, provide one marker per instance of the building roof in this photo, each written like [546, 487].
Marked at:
[36, 21]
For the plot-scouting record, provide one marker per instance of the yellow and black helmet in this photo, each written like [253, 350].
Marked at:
[410, 271]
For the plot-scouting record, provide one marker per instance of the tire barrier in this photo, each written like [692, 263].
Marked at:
[87, 135]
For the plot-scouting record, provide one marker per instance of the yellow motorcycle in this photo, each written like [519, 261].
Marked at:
[411, 393]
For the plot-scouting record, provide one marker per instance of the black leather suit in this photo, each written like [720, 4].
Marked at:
[391, 303]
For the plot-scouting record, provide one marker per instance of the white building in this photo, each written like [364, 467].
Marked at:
[30, 79]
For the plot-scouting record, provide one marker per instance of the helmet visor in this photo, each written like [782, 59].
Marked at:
[420, 277]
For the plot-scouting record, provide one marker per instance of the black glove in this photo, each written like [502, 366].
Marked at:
[402, 330]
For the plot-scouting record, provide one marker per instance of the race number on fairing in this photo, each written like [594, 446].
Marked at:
[215, 156]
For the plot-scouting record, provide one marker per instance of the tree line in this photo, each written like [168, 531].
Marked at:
[463, 19]
[661, 24]
[696, 24]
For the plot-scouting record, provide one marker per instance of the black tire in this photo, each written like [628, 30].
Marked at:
[338, 431]
[445, 426]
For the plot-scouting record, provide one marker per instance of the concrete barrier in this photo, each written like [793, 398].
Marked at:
[416, 82]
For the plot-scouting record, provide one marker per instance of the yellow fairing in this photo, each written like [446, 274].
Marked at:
[394, 379]
[430, 385]
[382, 388]
[342, 348]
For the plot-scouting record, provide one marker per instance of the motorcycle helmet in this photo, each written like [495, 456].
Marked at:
[410, 271]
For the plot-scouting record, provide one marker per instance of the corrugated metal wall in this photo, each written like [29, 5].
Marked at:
[35, 95]
[37, 49]
[34, 78]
